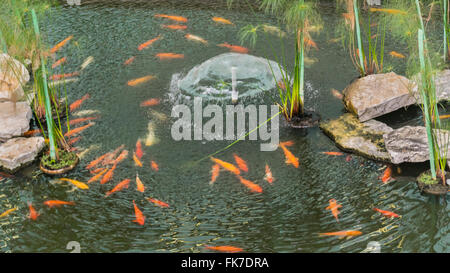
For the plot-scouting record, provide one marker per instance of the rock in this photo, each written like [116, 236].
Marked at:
[410, 144]
[20, 151]
[13, 75]
[442, 81]
[378, 94]
[14, 122]
[352, 135]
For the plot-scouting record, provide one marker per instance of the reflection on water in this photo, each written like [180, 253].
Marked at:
[286, 217]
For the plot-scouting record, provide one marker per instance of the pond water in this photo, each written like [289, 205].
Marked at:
[290, 213]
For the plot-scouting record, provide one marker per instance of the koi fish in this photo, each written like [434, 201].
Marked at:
[172, 17]
[155, 166]
[288, 143]
[123, 155]
[390, 11]
[97, 176]
[397, 55]
[78, 130]
[61, 44]
[31, 132]
[387, 213]
[195, 38]
[249, 184]
[139, 152]
[57, 203]
[86, 62]
[310, 43]
[214, 173]
[387, 175]
[86, 113]
[33, 213]
[227, 166]
[96, 161]
[109, 159]
[76, 104]
[6, 213]
[337, 94]
[234, 48]
[268, 177]
[107, 177]
[80, 120]
[333, 153]
[344, 233]
[141, 80]
[96, 171]
[241, 163]
[139, 185]
[66, 75]
[348, 158]
[158, 202]
[148, 43]
[73, 141]
[222, 20]
[129, 60]
[229, 249]
[281, 85]
[290, 158]
[136, 160]
[140, 218]
[174, 27]
[169, 56]
[76, 183]
[151, 136]
[59, 62]
[122, 185]
[444, 117]
[334, 206]
[274, 30]
[150, 102]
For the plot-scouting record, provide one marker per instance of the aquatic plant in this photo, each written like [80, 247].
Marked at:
[446, 26]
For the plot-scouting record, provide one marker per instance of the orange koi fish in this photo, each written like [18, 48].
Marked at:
[57, 203]
[129, 60]
[214, 173]
[310, 43]
[97, 176]
[140, 218]
[387, 213]
[444, 117]
[154, 166]
[390, 11]
[150, 102]
[337, 94]
[169, 56]
[107, 177]
[76, 104]
[234, 48]
[109, 159]
[288, 143]
[281, 85]
[136, 160]
[96, 161]
[175, 27]
[333, 153]
[397, 55]
[334, 207]
[31, 132]
[344, 233]
[139, 185]
[66, 75]
[61, 44]
[195, 38]
[158, 202]
[290, 158]
[141, 80]
[96, 171]
[222, 20]
[241, 163]
[33, 213]
[172, 17]
[73, 141]
[59, 62]
[76, 183]
[6, 213]
[249, 184]
[386, 175]
[139, 152]
[122, 185]
[78, 130]
[227, 166]
[228, 249]
[80, 120]
[148, 43]
[268, 177]
[123, 155]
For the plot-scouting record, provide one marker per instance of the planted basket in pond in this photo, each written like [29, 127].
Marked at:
[66, 162]
[427, 184]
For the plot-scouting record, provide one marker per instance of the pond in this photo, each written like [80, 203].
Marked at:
[286, 217]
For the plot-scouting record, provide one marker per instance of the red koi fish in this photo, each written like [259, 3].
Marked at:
[78, 130]
[61, 44]
[214, 173]
[169, 56]
[158, 202]
[344, 233]
[139, 152]
[59, 62]
[129, 60]
[154, 166]
[172, 17]
[57, 203]
[268, 177]
[228, 249]
[148, 43]
[227, 166]
[150, 102]
[76, 104]
[175, 27]
[66, 75]
[234, 48]
[387, 213]
[139, 185]
[334, 207]
[241, 163]
[249, 184]
[33, 213]
[140, 218]
[122, 185]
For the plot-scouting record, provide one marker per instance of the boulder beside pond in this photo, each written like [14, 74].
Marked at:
[14, 119]
[13, 75]
[20, 151]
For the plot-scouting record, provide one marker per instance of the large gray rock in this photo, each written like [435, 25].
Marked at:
[442, 82]
[378, 94]
[13, 75]
[20, 151]
[14, 120]
[410, 144]
[363, 138]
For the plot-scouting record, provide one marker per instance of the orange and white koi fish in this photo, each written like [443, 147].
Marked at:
[234, 48]
[141, 80]
[76, 183]
[387, 213]
[241, 163]
[222, 20]
[97, 176]
[195, 38]
[148, 43]
[390, 11]
[228, 249]
[169, 56]
[129, 60]
[139, 185]
[172, 17]
[334, 207]
[344, 233]
[76, 104]
[78, 130]
[123, 155]
[215, 170]
[158, 202]
[227, 166]
[122, 185]
[397, 55]
[96, 161]
[386, 175]
[80, 120]
[268, 177]
[32, 132]
[6, 213]
[59, 62]
[108, 176]
[61, 44]
[140, 218]
[154, 166]
[57, 203]
[290, 158]
[136, 160]
[33, 213]
[150, 102]
[175, 27]
[333, 153]
[337, 94]
[288, 143]
[139, 152]
[250, 185]
[65, 75]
